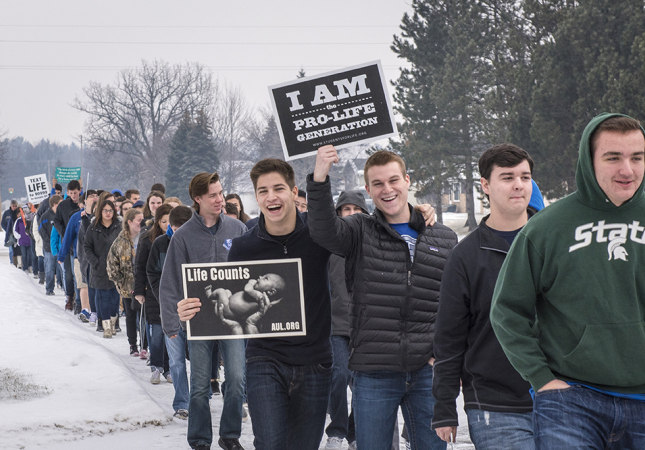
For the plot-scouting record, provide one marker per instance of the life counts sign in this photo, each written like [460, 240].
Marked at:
[340, 108]
[37, 188]
[251, 299]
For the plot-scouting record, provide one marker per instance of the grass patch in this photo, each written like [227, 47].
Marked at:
[18, 386]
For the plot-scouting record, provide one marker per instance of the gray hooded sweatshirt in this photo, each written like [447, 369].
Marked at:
[340, 298]
[193, 242]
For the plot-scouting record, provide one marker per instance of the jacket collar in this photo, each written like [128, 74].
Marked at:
[417, 222]
[301, 219]
[488, 240]
[201, 223]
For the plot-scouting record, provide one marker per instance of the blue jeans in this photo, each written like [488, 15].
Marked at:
[33, 258]
[200, 428]
[50, 272]
[158, 355]
[578, 417]
[10, 253]
[25, 252]
[68, 275]
[494, 430]
[377, 396]
[177, 355]
[287, 404]
[341, 425]
[108, 302]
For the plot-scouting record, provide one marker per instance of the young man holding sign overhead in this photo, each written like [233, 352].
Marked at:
[394, 268]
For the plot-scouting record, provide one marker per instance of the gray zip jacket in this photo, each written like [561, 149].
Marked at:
[193, 242]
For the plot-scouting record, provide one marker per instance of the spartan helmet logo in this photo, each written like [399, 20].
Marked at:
[616, 250]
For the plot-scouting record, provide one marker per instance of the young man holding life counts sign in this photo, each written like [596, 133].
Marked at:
[288, 378]
[394, 268]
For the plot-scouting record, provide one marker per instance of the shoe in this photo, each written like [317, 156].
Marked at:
[168, 377]
[215, 387]
[245, 413]
[155, 378]
[107, 329]
[202, 447]
[84, 316]
[41, 277]
[181, 414]
[77, 309]
[134, 351]
[49, 293]
[99, 326]
[113, 325]
[334, 443]
[93, 318]
[351, 445]
[230, 444]
[117, 328]
[143, 354]
[69, 306]
[36, 276]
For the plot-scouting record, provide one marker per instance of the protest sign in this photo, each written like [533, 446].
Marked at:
[67, 174]
[342, 108]
[37, 188]
[252, 299]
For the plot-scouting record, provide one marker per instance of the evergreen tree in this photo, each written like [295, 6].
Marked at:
[588, 58]
[192, 150]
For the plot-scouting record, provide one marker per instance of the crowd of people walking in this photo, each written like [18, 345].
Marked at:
[536, 316]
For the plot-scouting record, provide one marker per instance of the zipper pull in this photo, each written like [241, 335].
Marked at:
[409, 277]
[285, 249]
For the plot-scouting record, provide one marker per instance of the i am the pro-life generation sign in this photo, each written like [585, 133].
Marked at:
[340, 108]
[251, 299]
[37, 188]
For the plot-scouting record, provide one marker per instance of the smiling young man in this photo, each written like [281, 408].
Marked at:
[496, 398]
[394, 269]
[288, 379]
[569, 301]
[205, 238]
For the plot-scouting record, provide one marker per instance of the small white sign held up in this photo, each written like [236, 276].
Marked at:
[37, 188]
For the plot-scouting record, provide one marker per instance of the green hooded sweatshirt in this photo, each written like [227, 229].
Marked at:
[578, 264]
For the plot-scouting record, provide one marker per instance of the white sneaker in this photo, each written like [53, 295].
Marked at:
[155, 378]
[334, 443]
[352, 446]
[93, 317]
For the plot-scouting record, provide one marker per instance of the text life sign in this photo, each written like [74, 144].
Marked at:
[340, 108]
[67, 174]
[37, 188]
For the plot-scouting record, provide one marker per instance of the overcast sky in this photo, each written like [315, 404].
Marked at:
[50, 50]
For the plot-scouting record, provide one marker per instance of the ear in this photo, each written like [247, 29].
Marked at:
[294, 191]
[485, 185]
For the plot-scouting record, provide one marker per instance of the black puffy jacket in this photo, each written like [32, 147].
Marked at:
[141, 284]
[394, 300]
[96, 244]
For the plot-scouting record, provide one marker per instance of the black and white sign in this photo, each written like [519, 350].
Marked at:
[37, 188]
[252, 299]
[341, 108]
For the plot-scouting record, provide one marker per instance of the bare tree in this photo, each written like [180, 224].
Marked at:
[232, 120]
[136, 116]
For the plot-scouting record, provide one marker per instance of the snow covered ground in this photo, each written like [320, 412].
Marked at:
[62, 386]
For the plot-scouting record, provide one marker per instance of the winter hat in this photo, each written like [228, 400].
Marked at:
[138, 204]
[115, 191]
[352, 198]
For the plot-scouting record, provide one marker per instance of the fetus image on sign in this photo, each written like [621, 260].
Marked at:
[241, 311]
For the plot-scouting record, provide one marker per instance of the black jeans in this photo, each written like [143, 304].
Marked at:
[130, 321]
